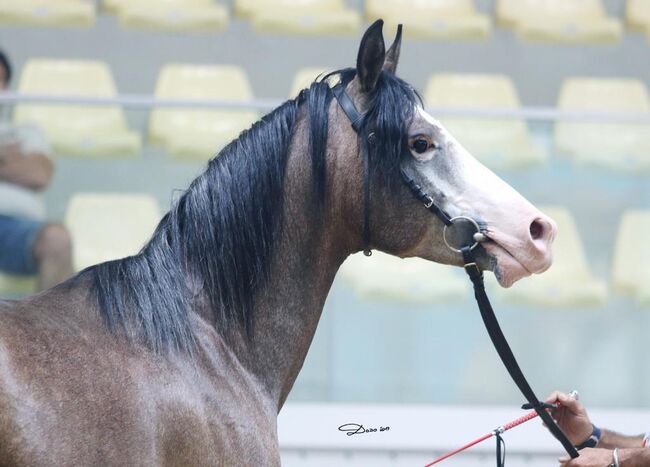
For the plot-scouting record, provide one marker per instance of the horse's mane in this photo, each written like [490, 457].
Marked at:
[220, 233]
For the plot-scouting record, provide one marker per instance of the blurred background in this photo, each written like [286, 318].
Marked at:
[135, 95]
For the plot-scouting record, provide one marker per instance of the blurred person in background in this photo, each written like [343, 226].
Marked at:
[599, 447]
[28, 244]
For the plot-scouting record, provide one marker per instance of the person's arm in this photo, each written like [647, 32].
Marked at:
[611, 439]
[32, 170]
[596, 457]
[634, 457]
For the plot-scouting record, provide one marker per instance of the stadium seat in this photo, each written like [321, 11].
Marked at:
[13, 286]
[631, 263]
[175, 15]
[499, 143]
[431, 19]
[47, 12]
[637, 15]
[572, 21]
[81, 130]
[303, 17]
[621, 146]
[414, 280]
[198, 134]
[106, 226]
[303, 79]
[569, 281]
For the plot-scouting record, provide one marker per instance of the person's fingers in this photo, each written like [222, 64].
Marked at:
[553, 397]
[569, 402]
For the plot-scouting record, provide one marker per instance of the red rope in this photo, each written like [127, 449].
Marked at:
[529, 416]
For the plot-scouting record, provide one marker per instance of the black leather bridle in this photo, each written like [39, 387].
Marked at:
[471, 268]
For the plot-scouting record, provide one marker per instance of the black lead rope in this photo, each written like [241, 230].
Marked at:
[475, 275]
[505, 352]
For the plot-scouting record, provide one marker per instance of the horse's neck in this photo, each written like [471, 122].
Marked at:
[309, 252]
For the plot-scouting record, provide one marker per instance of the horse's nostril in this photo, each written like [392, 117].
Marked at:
[536, 230]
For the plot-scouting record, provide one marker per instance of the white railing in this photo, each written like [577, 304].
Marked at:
[143, 101]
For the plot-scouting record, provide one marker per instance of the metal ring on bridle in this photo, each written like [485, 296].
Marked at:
[457, 218]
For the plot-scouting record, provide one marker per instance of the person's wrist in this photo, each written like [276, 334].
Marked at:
[615, 462]
[593, 439]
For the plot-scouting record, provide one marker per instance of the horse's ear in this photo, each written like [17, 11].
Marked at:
[370, 59]
[392, 55]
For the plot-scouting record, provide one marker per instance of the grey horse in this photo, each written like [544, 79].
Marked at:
[183, 354]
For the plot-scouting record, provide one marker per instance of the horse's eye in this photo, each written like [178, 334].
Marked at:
[421, 144]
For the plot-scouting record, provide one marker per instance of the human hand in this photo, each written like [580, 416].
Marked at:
[571, 416]
[589, 457]
[10, 151]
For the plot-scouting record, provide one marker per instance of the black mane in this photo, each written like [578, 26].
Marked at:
[214, 235]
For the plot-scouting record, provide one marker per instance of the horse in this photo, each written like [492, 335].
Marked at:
[185, 353]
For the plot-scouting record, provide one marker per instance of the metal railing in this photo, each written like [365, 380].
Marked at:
[144, 101]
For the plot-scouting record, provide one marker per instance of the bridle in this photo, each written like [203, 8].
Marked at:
[471, 268]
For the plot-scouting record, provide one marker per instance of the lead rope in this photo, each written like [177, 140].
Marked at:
[505, 352]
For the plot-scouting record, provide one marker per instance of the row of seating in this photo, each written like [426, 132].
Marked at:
[198, 134]
[109, 226]
[556, 20]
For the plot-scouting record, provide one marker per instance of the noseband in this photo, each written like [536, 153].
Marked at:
[471, 268]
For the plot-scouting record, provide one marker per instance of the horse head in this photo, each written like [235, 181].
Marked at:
[398, 136]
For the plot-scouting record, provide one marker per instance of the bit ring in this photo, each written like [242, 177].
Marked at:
[458, 218]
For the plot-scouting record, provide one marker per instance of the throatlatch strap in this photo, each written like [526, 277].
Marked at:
[367, 145]
[504, 351]
[356, 117]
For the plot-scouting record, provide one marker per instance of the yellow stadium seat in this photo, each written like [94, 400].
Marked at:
[414, 280]
[119, 6]
[199, 134]
[573, 21]
[47, 12]
[499, 143]
[300, 17]
[621, 146]
[106, 226]
[175, 15]
[631, 263]
[303, 79]
[11, 285]
[82, 130]
[569, 281]
[637, 15]
[431, 19]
